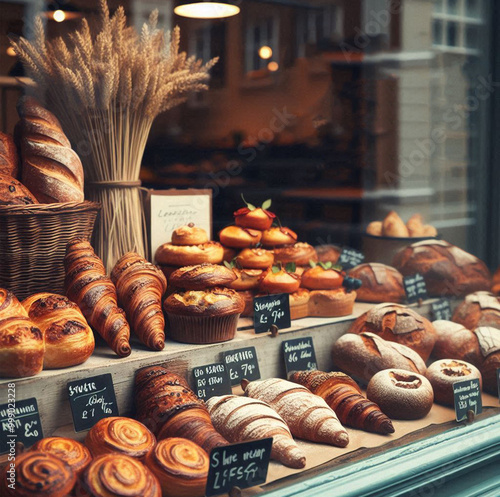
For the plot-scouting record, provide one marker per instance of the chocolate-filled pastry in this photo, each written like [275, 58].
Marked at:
[447, 270]
[39, 474]
[444, 373]
[238, 237]
[344, 396]
[9, 159]
[401, 394]
[255, 258]
[278, 237]
[12, 192]
[120, 435]
[300, 253]
[181, 467]
[22, 344]
[202, 276]
[380, 283]
[363, 355]
[169, 408]
[478, 309]
[189, 235]
[69, 339]
[398, 323]
[75, 454]
[88, 285]
[140, 286]
[169, 254]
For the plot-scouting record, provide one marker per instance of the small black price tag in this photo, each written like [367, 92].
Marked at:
[20, 422]
[299, 354]
[240, 465]
[350, 258]
[211, 380]
[415, 288]
[269, 310]
[467, 397]
[242, 363]
[92, 399]
[441, 309]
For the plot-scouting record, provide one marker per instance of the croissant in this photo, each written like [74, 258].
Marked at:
[307, 415]
[124, 435]
[68, 338]
[75, 454]
[87, 284]
[38, 474]
[241, 419]
[169, 408]
[22, 343]
[140, 286]
[181, 467]
[344, 396]
[117, 475]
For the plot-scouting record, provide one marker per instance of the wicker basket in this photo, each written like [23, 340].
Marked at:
[33, 242]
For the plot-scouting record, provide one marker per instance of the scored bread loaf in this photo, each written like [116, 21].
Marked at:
[478, 309]
[9, 160]
[51, 169]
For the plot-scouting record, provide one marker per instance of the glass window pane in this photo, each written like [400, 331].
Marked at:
[438, 5]
[472, 8]
[452, 34]
[437, 32]
[472, 35]
[452, 7]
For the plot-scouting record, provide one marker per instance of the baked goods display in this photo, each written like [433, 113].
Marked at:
[447, 269]
[300, 253]
[328, 253]
[246, 279]
[202, 276]
[394, 226]
[12, 192]
[239, 238]
[398, 323]
[88, 285]
[180, 466]
[344, 396]
[478, 309]
[278, 236]
[69, 339]
[241, 419]
[278, 280]
[361, 356]
[401, 394]
[9, 158]
[255, 258]
[307, 415]
[257, 218]
[495, 287]
[169, 408]
[444, 373]
[299, 303]
[379, 283]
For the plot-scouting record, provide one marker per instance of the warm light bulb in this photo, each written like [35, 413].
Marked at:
[265, 52]
[273, 66]
[11, 52]
[59, 16]
[207, 10]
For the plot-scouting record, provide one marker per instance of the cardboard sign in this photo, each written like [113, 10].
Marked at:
[299, 354]
[415, 288]
[269, 310]
[171, 209]
[19, 422]
[467, 397]
[441, 309]
[350, 258]
[211, 380]
[242, 363]
[92, 399]
[240, 465]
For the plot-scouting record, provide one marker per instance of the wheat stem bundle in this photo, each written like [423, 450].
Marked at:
[106, 83]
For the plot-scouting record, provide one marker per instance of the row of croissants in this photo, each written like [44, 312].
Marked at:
[47, 330]
[165, 451]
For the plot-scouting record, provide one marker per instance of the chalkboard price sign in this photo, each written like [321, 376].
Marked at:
[240, 465]
[91, 399]
[415, 288]
[211, 380]
[350, 258]
[20, 422]
[271, 310]
[467, 397]
[441, 309]
[242, 363]
[299, 354]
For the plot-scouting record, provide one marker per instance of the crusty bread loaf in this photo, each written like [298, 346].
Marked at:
[12, 192]
[9, 160]
[51, 170]
[380, 283]
[478, 309]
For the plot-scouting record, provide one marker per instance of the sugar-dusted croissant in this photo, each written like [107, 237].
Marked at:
[344, 396]
[169, 408]
[140, 286]
[88, 285]
[22, 344]
[68, 338]
[307, 415]
[241, 419]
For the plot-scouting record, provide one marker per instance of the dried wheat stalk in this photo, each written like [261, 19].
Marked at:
[106, 84]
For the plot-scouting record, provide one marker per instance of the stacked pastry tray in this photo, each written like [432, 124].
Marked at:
[441, 447]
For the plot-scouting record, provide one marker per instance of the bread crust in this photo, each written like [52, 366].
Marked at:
[189, 235]
[380, 283]
[13, 192]
[202, 276]
[9, 160]
[188, 255]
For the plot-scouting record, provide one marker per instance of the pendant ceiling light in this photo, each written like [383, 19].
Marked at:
[206, 9]
[60, 11]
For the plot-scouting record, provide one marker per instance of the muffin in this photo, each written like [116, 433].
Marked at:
[239, 238]
[278, 237]
[300, 254]
[257, 219]
[299, 304]
[276, 280]
[255, 258]
[202, 276]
